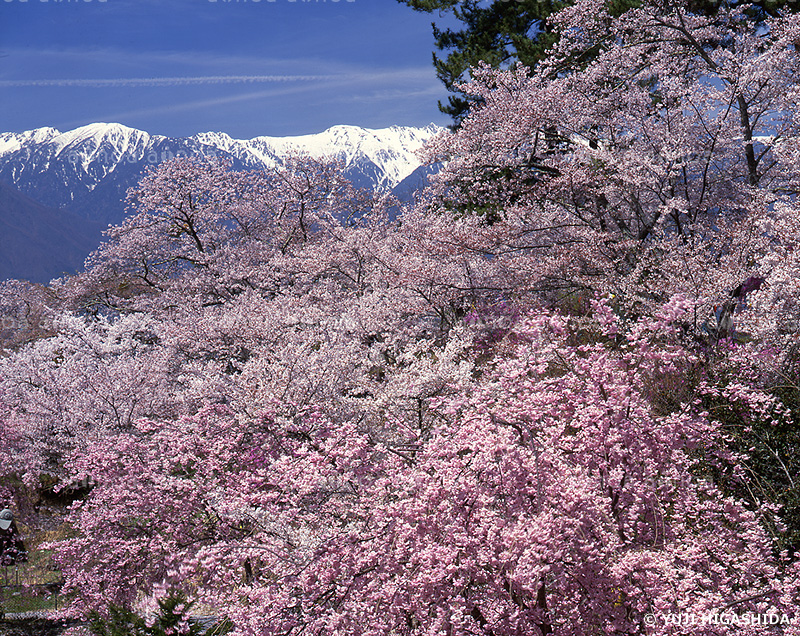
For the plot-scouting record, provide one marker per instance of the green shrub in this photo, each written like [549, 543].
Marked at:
[172, 619]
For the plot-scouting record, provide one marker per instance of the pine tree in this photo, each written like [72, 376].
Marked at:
[498, 34]
[502, 33]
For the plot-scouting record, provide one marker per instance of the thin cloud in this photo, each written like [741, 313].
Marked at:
[390, 95]
[271, 93]
[189, 106]
[170, 81]
[150, 82]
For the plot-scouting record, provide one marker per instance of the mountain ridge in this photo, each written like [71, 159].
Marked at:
[86, 171]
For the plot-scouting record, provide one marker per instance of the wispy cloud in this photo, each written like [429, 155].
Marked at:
[433, 91]
[154, 82]
[180, 93]
[169, 81]
[282, 90]
[193, 105]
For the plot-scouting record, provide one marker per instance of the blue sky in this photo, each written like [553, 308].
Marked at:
[179, 67]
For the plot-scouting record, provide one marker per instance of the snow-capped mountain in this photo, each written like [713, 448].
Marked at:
[89, 169]
[86, 172]
[373, 158]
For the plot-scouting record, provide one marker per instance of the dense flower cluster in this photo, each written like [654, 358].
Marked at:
[518, 406]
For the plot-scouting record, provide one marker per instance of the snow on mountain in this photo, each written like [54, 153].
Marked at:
[87, 142]
[85, 173]
[58, 168]
[392, 150]
[89, 169]
[92, 136]
[11, 142]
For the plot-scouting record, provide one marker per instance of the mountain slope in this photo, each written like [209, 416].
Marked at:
[89, 169]
[39, 243]
[83, 176]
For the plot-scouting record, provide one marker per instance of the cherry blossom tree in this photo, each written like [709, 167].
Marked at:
[508, 411]
[306, 302]
[655, 167]
[552, 499]
[197, 222]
